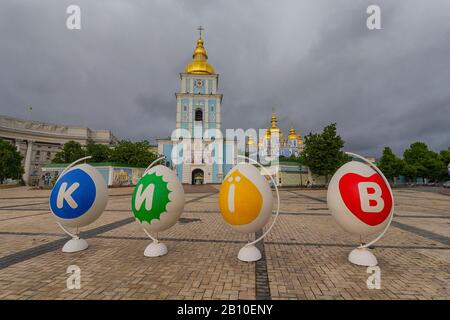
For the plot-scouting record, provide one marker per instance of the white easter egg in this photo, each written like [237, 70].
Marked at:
[158, 199]
[359, 199]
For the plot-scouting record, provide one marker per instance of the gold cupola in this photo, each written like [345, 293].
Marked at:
[274, 128]
[250, 140]
[274, 121]
[268, 134]
[293, 135]
[199, 64]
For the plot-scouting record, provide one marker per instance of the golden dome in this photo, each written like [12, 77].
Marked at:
[274, 121]
[274, 128]
[250, 140]
[292, 134]
[300, 140]
[199, 64]
[268, 134]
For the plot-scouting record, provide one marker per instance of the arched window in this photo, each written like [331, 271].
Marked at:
[198, 115]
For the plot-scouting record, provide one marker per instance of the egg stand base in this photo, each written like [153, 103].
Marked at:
[249, 253]
[362, 257]
[155, 249]
[75, 244]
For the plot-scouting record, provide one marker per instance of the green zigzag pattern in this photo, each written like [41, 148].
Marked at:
[160, 198]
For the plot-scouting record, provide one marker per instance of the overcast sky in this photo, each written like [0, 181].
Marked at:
[315, 62]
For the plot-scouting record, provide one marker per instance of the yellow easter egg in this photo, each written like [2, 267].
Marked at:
[245, 199]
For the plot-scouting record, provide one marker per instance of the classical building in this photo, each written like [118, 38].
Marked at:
[38, 142]
[198, 124]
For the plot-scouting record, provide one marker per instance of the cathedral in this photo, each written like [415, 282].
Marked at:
[278, 143]
[197, 149]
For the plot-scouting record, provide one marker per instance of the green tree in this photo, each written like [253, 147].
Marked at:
[323, 153]
[10, 162]
[70, 152]
[390, 164]
[99, 152]
[133, 153]
[409, 171]
[445, 156]
[426, 163]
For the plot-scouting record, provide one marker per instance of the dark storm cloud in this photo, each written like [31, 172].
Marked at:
[315, 62]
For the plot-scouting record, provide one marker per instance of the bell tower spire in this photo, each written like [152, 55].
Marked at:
[199, 63]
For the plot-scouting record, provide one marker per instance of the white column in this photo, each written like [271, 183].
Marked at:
[27, 164]
[220, 160]
[110, 176]
[183, 84]
[18, 143]
[218, 110]
[179, 110]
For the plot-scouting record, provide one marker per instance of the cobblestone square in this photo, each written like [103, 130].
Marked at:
[305, 254]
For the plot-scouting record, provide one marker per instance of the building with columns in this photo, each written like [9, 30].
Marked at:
[38, 142]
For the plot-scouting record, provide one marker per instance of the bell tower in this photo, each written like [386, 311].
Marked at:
[198, 101]
[198, 115]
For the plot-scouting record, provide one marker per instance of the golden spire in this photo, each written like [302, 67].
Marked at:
[199, 64]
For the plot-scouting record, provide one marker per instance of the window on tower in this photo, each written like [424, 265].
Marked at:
[198, 115]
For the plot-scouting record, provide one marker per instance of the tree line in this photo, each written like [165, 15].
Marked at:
[418, 162]
[322, 153]
[135, 154]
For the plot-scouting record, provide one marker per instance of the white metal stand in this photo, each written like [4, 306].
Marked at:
[75, 244]
[156, 248]
[250, 253]
[362, 255]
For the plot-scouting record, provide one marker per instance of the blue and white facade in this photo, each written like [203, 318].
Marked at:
[196, 150]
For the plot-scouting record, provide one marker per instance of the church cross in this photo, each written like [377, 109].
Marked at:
[200, 29]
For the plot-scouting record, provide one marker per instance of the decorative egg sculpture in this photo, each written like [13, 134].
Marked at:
[245, 199]
[360, 200]
[158, 199]
[79, 196]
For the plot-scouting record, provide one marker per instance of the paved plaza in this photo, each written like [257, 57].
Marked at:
[305, 255]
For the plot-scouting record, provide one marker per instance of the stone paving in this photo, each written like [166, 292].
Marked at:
[305, 253]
